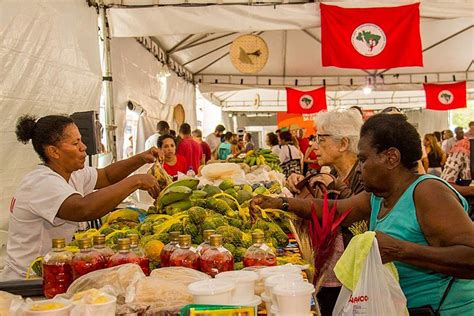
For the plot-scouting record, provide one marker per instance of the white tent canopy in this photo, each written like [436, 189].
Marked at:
[198, 38]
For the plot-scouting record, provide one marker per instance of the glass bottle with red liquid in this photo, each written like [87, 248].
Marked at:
[216, 259]
[168, 249]
[86, 260]
[124, 255]
[99, 246]
[185, 255]
[205, 245]
[259, 254]
[57, 271]
[144, 262]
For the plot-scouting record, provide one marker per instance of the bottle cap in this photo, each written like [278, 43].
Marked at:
[133, 239]
[84, 243]
[99, 240]
[124, 244]
[59, 242]
[184, 240]
[174, 236]
[207, 233]
[215, 240]
[257, 237]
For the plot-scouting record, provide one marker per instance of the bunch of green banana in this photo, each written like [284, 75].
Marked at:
[262, 157]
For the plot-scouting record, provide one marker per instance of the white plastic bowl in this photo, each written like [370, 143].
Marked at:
[244, 284]
[259, 284]
[212, 291]
[103, 309]
[63, 311]
[276, 279]
[294, 299]
[287, 269]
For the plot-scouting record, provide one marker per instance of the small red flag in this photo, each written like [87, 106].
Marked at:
[371, 38]
[305, 102]
[447, 96]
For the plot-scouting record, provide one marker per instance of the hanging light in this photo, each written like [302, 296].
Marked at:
[368, 86]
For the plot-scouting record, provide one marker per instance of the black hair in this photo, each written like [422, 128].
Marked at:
[197, 133]
[161, 139]
[219, 128]
[228, 136]
[249, 136]
[162, 125]
[48, 130]
[286, 136]
[388, 131]
[471, 123]
[173, 132]
[185, 129]
[437, 135]
[272, 139]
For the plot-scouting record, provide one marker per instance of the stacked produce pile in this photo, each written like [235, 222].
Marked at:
[182, 207]
[259, 157]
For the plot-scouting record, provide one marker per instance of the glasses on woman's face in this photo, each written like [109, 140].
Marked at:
[321, 137]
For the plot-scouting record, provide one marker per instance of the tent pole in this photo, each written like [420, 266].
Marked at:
[107, 83]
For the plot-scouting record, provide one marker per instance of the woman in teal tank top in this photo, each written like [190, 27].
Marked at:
[421, 222]
[421, 286]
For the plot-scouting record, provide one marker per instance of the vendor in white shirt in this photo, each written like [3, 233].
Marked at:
[59, 194]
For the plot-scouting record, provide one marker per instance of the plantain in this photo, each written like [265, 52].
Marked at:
[126, 213]
[181, 205]
[188, 182]
[160, 174]
[174, 194]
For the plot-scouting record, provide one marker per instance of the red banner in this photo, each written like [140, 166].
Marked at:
[305, 102]
[443, 97]
[371, 38]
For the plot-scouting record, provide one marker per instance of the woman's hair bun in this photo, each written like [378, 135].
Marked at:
[25, 127]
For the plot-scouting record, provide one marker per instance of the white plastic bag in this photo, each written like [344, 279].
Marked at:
[377, 291]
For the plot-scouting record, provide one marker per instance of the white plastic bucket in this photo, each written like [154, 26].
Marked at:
[286, 269]
[212, 291]
[276, 279]
[294, 299]
[259, 284]
[268, 302]
[244, 284]
[253, 302]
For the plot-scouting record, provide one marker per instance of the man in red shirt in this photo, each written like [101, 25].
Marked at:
[189, 149]
[303, 142]
[206, 150]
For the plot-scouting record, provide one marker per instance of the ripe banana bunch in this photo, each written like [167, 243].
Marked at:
[163, 178]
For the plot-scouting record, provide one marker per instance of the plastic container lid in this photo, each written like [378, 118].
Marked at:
[255, 301]
[281, 278]
[238, 276]
[287, 268]
[293, 289]
[211, 287]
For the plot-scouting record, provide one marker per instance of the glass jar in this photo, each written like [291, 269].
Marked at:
[205, 245]
[185, 255]
[57, 271]
[99, 246]
[259, 254]
[124, 255]
[216, 259]
[168, 249]
[144, 262]
[86, 260]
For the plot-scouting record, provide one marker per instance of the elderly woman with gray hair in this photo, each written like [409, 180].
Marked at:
[336, 147]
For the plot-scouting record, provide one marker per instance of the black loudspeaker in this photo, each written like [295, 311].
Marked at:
[90, 129]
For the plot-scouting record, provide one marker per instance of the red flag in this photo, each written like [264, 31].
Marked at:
[443, 97]
[371, 38]
[305, 102]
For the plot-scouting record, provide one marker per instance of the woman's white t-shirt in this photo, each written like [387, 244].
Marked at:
[33, 209]
[284, 153]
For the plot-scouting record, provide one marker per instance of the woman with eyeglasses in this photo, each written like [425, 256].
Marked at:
[336, 147]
